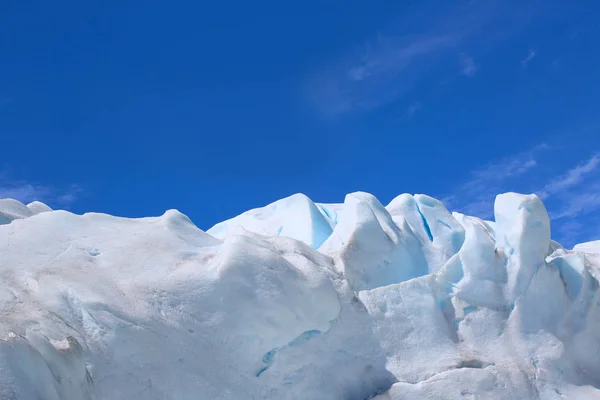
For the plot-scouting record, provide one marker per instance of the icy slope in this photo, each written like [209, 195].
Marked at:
[12, 209]
[298, 300]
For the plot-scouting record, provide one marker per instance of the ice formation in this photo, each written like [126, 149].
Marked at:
[298, 300]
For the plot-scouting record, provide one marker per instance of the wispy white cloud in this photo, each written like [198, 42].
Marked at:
[572, 197]
[530, 56]
[576, 219]
[384, 71]
[27, 192]
[486, 182]
[68, 196]
[22, 191]
[579, 204]
[468, 66]
[507, 167]
[393, 55]
[388, 66]
[572, 177]
[574, 200]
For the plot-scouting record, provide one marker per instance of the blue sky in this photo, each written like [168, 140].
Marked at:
[217, 107]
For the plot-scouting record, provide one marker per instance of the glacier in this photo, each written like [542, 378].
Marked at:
[298, 300]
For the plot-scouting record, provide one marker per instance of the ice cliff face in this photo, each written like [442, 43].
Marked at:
[298, 300]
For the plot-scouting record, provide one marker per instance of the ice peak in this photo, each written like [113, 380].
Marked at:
[11, 209]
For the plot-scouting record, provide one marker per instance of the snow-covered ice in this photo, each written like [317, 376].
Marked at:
[12, 209]
[298, 300]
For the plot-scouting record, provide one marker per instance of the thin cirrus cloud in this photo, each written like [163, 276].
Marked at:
[27, 192]
[572, 197]
[373, 80]
[487, 181]
[22, 191]
[572, 177]
[468, 65]
[388, 66]
[577, 190]
[530, 56]
[582, 203]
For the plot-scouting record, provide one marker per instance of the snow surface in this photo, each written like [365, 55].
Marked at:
[298, 300]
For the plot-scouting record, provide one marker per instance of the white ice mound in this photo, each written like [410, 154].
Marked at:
[298, 300]
[588, 247]
[296, 217]
[12, 209]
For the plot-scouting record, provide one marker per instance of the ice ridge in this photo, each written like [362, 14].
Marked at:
[298, 300]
